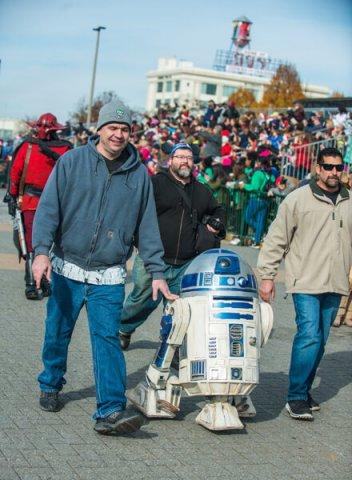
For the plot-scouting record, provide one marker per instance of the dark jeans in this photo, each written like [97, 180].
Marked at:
[104, 305]
[255, 216]
[139, 303]
[314, 316]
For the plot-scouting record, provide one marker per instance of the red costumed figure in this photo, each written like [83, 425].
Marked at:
[33, 160]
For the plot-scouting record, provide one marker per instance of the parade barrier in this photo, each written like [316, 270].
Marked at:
[235, 203]
[299, 160]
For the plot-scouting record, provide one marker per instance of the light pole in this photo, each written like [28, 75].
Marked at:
[89, 115]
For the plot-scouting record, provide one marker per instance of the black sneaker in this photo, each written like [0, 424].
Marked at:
[299, 410]
[127, 421]
[313, 405]
[125, 340]
[50, 401]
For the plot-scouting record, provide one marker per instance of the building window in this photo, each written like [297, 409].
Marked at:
[208, 88]
[169, 86]
[157, 103]
[177, 86]
[228, 90]
[159, 87]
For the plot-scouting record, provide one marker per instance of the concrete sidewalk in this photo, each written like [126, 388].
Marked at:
[58, 446]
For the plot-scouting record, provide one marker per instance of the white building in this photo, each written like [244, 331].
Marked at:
[182, 82]
[10, 127]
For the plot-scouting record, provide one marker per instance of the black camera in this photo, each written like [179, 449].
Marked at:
[216, 224]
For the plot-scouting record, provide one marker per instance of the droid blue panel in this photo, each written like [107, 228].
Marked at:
[233, 316]
[198, 370]
[165, 324]
[236, 373]
[229, 265]
[242, 305]
[236, 340]
[189, 280]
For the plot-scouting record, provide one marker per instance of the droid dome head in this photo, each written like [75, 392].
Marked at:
[219, 272]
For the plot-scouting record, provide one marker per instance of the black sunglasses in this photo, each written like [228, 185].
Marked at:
[329, 167]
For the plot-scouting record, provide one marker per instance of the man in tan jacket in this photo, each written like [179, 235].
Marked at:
[313, 232]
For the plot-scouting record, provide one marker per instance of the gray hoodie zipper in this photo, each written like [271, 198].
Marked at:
[99, 221]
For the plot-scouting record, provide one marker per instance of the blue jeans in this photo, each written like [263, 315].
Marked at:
[104, 305]
[255, 216]
[314, 316]
[139, 303]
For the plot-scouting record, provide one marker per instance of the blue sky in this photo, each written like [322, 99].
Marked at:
[47, 47]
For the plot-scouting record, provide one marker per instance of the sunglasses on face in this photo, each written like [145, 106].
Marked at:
[330, 166]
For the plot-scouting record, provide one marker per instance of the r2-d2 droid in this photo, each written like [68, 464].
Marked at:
[218, 324]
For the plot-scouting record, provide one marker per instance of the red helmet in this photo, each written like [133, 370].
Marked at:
[46, 124]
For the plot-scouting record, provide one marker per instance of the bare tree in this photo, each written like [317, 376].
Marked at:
[80, 114]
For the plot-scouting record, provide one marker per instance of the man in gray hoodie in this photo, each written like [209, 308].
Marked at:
[98, 204]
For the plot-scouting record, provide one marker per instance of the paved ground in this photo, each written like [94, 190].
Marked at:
[37, 445]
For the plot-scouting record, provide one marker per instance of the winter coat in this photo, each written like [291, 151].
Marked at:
[175, 222]
[315, 238]
[93, 218]
[40, 166]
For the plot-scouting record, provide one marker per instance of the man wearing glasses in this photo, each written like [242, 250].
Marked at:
[313, 232]
[177, 231]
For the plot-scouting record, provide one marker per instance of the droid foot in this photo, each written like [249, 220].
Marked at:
[219, 416]
[154, 403]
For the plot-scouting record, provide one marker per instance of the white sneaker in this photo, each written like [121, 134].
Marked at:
[235, 241]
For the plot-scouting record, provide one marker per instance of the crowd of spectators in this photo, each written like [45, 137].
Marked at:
[225, 136]
[264, 154]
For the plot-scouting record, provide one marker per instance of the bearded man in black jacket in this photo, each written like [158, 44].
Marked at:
[181, 203]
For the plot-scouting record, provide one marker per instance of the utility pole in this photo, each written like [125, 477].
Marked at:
[91, 95]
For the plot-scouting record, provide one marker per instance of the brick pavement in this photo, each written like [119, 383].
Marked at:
[35, 445]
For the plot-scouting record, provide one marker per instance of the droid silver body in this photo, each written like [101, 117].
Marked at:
[218, 324]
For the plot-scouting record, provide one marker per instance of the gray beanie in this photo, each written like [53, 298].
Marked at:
[114, 112]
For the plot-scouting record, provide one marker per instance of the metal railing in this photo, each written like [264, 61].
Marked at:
[300, 159]
[235, 203]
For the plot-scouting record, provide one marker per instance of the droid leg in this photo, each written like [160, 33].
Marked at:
[159, 394]
[219, 414]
